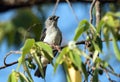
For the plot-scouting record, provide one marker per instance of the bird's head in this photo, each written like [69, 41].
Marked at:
[51, 21]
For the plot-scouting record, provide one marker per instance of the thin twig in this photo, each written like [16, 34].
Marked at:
[91, 9]
[110, 71]
[70, 5]
[118, 75]
[107, 75]
[19, 52]
[77, 43]
[55, 7]
[11, 52]
[109, 40]
[12, 63]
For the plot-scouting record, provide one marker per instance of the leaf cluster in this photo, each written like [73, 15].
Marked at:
[71, 55]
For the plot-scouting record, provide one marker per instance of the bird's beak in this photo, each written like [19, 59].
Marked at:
[56, 18]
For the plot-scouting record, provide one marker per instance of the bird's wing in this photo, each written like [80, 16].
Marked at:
[43, 34]
[60, 38]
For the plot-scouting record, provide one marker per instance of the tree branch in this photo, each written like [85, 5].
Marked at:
[115, 74]
[6, 5]
[13, 63]
[19, 52]
[70, 5]
[91, 9]
[98, 12]
[108, 76]
[56, 5]
[11, 52]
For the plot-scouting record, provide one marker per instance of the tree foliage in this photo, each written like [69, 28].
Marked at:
[69, 56]
[18, 27]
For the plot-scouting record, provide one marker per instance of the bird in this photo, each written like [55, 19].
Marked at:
[52, 35]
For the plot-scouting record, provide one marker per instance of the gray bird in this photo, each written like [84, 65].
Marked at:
[51, 35]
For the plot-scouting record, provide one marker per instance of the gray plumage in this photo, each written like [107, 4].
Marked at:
[51, 35]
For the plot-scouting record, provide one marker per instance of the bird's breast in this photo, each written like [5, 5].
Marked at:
[52, 37]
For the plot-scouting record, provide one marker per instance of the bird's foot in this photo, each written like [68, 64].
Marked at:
[56, 47]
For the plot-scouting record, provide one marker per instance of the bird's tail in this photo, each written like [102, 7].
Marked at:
[44, 61]
[38, 74]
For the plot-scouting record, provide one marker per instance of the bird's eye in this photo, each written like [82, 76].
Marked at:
[50, 18]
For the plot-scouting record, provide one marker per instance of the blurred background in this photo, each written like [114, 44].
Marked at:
[15, 27]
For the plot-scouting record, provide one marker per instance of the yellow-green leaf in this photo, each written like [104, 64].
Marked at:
[23, 77]
[117, 14]
[84, 70]
[28, 72]
[65, 66]
[25, 49]
[82, 27]
[60, 59]
[20, 60]
[116, 49]
[47, 55]
[95, 55]
[27, 46]
[38, 61]
[97, 46]
[46, 48]
[95, 76]
[13, 77]
[75, 57]
[100, 26]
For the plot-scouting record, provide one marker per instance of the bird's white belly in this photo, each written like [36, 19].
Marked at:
[51, 38]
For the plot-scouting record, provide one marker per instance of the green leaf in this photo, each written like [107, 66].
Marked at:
[60, 59]
[75, 57]
[95, 76]
[23, 78]
[105, 64]
[93, 29]
[84, 71]
[46, 48]
[47, 55]
[100, 26]
[82, 27]
[28, 72]
[25, 49]
[65, 66]
[110, 20]
[27, 46]
[106, 35]
[99, 43]
[117, 14]
[13, 77]
[97, 46]
[38, 61]
[20, 60]
[98, 60]
[116, 49]
[95, 55]
[68, 78]
[31, 65]
[111, 68]
[84, 54]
